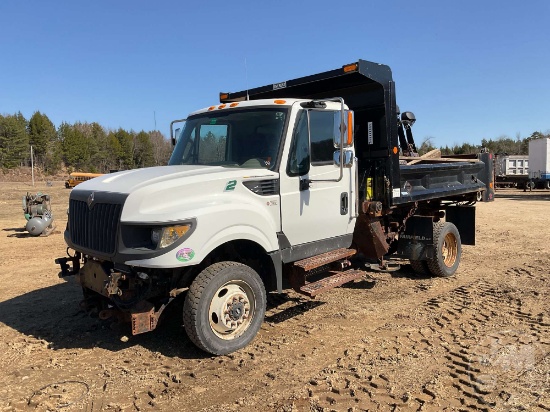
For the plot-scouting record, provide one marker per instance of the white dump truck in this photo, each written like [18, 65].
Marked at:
[263, 190]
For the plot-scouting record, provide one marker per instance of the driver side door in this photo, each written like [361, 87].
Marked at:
[318, 216]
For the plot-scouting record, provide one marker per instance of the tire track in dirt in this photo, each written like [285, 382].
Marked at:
[477, 369]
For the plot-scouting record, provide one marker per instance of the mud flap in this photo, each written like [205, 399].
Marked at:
[464, 218]
[416, 242]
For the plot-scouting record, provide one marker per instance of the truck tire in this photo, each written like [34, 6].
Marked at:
[224, 307]
[447, 250]
[420, 267]
[547, 185]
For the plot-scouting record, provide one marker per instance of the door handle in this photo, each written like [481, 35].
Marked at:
[344, 203]
[304, 184]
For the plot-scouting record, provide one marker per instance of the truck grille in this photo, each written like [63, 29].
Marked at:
[94, 229]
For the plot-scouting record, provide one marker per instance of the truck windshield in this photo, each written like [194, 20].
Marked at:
[247, 138]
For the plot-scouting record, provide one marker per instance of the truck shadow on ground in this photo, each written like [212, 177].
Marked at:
[407, 272]
[294, 306]
[53, 314]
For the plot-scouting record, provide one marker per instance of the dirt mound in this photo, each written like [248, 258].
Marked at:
[24, 175]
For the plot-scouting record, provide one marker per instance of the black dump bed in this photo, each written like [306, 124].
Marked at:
[369, 90]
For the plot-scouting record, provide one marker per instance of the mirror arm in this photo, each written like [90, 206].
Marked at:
[172, 137]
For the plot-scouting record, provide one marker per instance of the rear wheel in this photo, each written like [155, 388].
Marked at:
[547, 185]
[447, 250]
[224, 307]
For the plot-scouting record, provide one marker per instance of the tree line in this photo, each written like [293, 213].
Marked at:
[82, 146]
[90, 147]
[502, 145]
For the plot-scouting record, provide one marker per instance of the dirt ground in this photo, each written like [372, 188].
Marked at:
[390, 342]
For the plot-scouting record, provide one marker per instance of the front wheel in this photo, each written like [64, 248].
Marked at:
[224, 307]
[447, 250]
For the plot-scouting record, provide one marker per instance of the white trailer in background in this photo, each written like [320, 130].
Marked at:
[511, 170]
[539, 163]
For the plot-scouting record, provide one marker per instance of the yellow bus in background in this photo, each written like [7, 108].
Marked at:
[76, 178]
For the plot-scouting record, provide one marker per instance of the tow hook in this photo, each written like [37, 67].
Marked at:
[66, 269]
[111, 287]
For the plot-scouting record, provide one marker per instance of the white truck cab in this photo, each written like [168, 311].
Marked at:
[263, 182]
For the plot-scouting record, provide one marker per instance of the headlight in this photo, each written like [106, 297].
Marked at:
[167, 235]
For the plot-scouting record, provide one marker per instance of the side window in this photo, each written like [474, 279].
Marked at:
[298, 161]
[212, 144]
[323, 125]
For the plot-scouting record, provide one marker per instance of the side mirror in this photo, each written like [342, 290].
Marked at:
[348, 158]
[348, 129]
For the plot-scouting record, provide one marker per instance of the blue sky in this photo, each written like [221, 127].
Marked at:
[468, 69]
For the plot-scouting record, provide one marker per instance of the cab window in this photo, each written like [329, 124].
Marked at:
[322, 128]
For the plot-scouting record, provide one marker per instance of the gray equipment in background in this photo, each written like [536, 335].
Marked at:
[38, 212]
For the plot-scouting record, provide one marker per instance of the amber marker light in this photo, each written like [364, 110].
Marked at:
[279, 101]
[224, 96]
[233, 104]
[211, 107]
[350, 128]
[395, 150]
[491, 185]
[348, 68]
[221, 106]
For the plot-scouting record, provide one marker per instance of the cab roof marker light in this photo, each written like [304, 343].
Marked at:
[348, 68]
[233, 104]
[211, 107]
[224, 96]
[279, 101]
[221, 106]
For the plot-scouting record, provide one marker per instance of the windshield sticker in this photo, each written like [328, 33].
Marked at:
[213, 121]
[230, 185]
[185, 254]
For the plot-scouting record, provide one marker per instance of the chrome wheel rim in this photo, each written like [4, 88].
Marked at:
[231, 309]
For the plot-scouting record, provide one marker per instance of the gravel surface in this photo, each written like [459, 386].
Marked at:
[390, 341]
